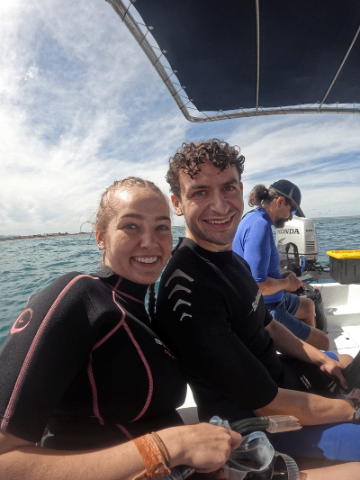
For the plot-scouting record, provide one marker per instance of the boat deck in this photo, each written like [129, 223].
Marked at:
[342, 308]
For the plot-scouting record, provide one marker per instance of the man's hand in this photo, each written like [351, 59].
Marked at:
[289, 282]
[334, 369]
[292, 282]
[286, 273]
[285, 342]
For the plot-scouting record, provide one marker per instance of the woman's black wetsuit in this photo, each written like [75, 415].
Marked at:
[82, 364]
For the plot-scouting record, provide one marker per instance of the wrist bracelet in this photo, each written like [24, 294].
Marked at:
[162, 447]
[155, 465]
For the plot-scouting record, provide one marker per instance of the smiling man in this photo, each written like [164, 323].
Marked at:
[212, 202]
[212, 315]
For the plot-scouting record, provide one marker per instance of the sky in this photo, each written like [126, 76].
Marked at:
[81, 106]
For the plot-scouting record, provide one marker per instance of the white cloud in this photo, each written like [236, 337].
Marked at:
[320, 155]
[77, 112]
[80, 106]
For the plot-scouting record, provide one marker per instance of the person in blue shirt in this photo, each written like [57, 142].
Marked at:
[255, 243]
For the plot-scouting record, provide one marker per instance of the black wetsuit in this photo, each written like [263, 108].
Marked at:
[82, 360]
[211, 314]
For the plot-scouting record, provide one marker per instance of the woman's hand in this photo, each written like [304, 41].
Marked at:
[202, 446]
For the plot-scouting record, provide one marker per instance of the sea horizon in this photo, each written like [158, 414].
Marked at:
[58, 234]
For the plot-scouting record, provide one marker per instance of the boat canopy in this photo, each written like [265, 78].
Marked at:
[237, 58]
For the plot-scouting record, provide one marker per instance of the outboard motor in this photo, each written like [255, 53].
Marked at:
[301, 232]
[298, 249]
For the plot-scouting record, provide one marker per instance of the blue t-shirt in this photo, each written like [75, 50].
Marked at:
[255, 243]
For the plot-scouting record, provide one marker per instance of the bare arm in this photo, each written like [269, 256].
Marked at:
[202, 446]
[346, 471]
[273, 285]
[309, 409]
[287, 343]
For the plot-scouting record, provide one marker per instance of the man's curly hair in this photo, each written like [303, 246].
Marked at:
[189, 157]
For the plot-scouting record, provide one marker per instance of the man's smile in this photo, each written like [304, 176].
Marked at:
[219, 222]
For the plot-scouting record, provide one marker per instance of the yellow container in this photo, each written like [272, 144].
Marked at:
[344, 254]
[345, 265]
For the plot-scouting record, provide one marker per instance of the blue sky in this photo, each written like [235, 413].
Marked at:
[81, 106]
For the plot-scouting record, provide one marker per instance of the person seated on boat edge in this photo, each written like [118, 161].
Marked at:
[255, 243]
[211, 314]
[82, 360]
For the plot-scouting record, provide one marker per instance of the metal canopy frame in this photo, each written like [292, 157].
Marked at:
[157, 57]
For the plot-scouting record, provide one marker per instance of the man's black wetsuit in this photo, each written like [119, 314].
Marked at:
[211, 314]
[82, 360]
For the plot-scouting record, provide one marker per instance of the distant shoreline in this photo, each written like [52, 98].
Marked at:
[45, 235]
[49, 235]
[335, 218]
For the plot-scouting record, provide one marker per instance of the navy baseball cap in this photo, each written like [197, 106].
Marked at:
[288, 190]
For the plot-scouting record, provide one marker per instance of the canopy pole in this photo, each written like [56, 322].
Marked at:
[340, 68]
[125, 15]
[257, 53]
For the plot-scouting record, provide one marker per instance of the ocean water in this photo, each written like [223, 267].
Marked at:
[27, 266]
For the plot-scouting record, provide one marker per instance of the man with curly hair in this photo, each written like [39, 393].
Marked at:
[211, 314]
[190, 164]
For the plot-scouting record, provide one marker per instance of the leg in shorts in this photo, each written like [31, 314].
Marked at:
[284, 313]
